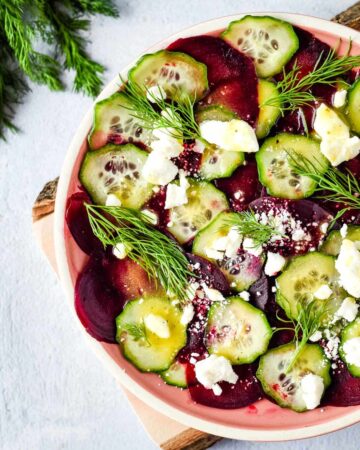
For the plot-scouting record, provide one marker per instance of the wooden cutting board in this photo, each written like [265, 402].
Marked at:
[171, 435]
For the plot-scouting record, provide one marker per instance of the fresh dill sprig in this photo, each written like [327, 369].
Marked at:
[308, 322]
[247, 224]
[157, 112]
[137, 331]
[157, 254]
[341, 187]
[294, 91]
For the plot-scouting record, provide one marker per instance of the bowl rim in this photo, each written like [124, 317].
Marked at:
[241, 433]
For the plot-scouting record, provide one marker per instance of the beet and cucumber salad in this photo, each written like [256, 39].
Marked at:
[219, 207]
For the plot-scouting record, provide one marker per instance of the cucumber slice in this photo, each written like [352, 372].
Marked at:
[141, 346]
[237, 330]
[178, 74]
[270, 42]
[113, 122]
[351, 331]
[268, 115]
[205, 202]
[241, 270]
[274, 166]
[354, 106]
[175, 375]
[216, 162]
[116, 169]
[302, 278]
[284, 387]
[332, 244]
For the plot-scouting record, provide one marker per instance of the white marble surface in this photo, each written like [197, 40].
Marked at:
[54, 392]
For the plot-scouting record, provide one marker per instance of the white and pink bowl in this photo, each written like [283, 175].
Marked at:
[262, 422]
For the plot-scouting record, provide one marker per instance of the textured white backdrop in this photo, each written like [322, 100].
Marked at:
[54, 392]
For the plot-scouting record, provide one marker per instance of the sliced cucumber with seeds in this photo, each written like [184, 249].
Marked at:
[351, 331]
[270, 42]
[332, 244]
[178, 74]
[285, 386]
[205, 202]
[353, 109]
[116, 169]
[274, 168]
[142, 346]
[268, 115]
[242, 269]
[113, 122]
[175, 375]
[237, 330]
[216, 162]
[304, 275]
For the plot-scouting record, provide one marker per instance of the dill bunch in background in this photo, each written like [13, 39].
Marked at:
[24, 24]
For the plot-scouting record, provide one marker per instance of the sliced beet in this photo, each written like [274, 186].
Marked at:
[128, 278]
[242, 187]
[223, 61]
[308, 215]
[208, 273]
[238, 96]
[344, 389]
[97, 304]
[244, 392]
[156, 204]
[189, 160]
[78, 223]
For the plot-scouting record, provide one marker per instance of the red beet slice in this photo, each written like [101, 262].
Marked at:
[210, 274]
[242, 187]
[237, 95]
[189, 160]
[244, 392]
[97, 304]
[156, 204]
[78, 223]
[344, 389]
[308, 214]
[223, 61]
[128, 278]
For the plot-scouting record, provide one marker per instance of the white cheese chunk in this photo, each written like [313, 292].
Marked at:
[155, 93]
[213, 294]
[316, 336]
[323, 292]
[187, 314]
[245, 295]
[212, 370]
[344, 230]
[119, 251]
[151, 215]
[274, 263]
[351, 349]
[348, 309]
[336, 144]
[216, 389]
[249, 246]
[234, 135]
[348, 266]
[339, 99]
[312, 389]
[112, 200]
[157, 325]
[176, 193]
[158, 169]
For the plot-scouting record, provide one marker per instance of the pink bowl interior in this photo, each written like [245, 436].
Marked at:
[262, 416]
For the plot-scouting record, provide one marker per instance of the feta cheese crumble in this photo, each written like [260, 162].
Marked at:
[176, 193]
[112, 200]
[323, 292]
[151, 215]
[336, 144]
[213, 294]
[234, 135]
[348, 266]
[159, 169]
[339, 98]
[274, 263]
[316, 336]
[155, 93]
[187, 314]
[119, 251]
[212, 370]
[249, 246]
[157, 325]
[312, 388]
[351, 349]
[344, 230]
[245, 295]
[348, 310]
